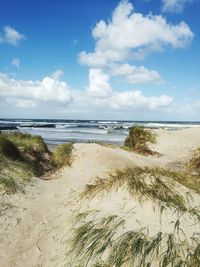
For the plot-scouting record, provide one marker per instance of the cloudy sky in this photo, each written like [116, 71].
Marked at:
[100, 59]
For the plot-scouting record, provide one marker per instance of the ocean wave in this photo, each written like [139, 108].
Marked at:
[48, 125]
[89, 131]
[107, 122]
[171, 125]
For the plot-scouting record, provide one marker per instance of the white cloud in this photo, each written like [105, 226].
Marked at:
[25, 103]
[130, 35]
[174, 6]
[100, 94]
[25, 92]
[136, 100]
[98, 83]
[15, 62]
[133, 74]
[98, 97]
[11, 36]
[121, 103]
[57, 74]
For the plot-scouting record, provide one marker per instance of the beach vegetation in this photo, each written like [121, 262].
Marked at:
[23, 156]
[9, 149]
[33, 150]
[102, 242]
[13, 174]
[194, 163]
[138, 140]
[155, 184]
[62, 155]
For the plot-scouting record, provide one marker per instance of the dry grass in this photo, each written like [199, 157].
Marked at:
[138, 140]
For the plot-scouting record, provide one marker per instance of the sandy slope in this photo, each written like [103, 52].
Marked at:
[34, 226]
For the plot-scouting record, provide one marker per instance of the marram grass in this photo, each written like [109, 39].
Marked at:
[136, 248]
[26, 143]
[93, 238]
[153, 184]
[194, 163]
[101, 243]
[13, 174]
[23, 156]
[147, 184]
[138, 140]
[62, 155]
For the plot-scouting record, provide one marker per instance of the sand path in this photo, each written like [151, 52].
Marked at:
[34, 226]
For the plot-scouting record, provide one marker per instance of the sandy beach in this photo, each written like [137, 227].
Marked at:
[36, 226]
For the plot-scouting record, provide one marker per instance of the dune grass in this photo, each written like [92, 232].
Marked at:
[13, 174]
[96, 243]
[9, 149]
[193, 164]
[138, 140]
[33, 150]
[14, 169]
[135, 247]
[27, 143]
[101, 243]
[193, 170]
[62, 155]
[153, 184]
[93, 238]
[23, 156]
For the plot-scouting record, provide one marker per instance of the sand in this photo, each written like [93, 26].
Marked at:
[35, 225]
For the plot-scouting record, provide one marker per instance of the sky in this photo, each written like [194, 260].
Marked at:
[99, 59]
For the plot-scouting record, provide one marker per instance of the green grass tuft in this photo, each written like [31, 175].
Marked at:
[153, 184]
[8, 185]
[13, 174]
[101, 243]
[23, 156]
[33, 150]
[92, 239]
[28, 144]
[9, 149]
[62, 155]
[138, 140]
[194, 163]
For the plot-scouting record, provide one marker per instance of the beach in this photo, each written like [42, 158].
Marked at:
[36, 226]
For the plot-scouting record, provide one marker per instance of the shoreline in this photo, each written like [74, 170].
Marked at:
[85, 131]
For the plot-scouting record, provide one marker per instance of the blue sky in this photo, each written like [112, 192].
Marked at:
[100, 59]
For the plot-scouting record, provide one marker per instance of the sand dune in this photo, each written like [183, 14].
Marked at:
[35, 226]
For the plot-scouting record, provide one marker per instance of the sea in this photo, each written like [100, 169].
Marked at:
[85, 131]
